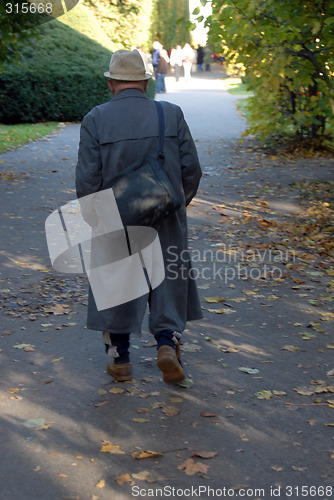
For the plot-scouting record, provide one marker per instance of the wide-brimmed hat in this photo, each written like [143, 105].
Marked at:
[127, 65]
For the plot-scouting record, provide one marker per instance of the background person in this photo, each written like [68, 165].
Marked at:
[176, 62]
[187, 58]
[200, 57]
[156, 56]
[207, 59]
[147, 58]
[162, 69]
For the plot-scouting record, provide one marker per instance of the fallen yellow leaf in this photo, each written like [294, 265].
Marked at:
[327, 314]
[144, 475]
[101, 484]
[289, 348]
[304, 391]
[170, 411]
[101, 391]
[110, 448]
[223, 310]
[25, 347]
[264, 395]
[116, 390]
[124, 478]
[138, 455]
[175, 400]
[143, 410]
[277, 468]
[191, 467]
[300, 469]
[57, 309]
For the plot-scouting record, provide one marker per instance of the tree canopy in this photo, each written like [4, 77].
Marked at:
[169, 22]
[287, 50]
[126, 22]
[19, 18]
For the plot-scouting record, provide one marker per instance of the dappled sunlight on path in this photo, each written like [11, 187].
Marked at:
[260, 358]
[216, 82]
[211, 112]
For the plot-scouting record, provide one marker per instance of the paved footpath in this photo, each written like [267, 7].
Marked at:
[258, 420]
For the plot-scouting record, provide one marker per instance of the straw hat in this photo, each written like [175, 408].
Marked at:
[127, 65]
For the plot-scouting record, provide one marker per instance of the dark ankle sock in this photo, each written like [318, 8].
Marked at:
[122, 343]
[165, 338]
[125, 358]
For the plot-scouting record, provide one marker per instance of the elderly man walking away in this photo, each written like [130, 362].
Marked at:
[113, 135]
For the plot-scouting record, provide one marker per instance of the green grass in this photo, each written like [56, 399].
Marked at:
[235, 86]
[14, 136]
[241, 104]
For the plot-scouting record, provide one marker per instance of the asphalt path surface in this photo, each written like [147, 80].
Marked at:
[209, 110]
[69, 432]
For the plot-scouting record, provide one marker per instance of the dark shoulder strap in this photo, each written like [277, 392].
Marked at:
[161, 119]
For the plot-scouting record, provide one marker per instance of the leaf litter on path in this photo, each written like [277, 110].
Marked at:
[250, 371]
[25, 347]
[190, 467]
[144, 475]
[100, 484]
[36, 423]
[107, 447]
[208, 414]
[170, 411]
[139, 455]
[204, 454]
[265, 394]
[123, 479]
[186, 383]
[222, 310]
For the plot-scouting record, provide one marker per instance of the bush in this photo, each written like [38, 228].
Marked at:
[287, 50]
[59, 77]
[38, 96]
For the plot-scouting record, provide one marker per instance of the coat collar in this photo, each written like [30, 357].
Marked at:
[129, 93]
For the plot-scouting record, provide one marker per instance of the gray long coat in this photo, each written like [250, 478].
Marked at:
[113, 135]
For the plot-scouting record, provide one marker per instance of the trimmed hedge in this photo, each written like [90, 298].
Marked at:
[59, 78]
[39, 96]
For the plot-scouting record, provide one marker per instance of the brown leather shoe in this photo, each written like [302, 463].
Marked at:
[169, 364]
[121, 372]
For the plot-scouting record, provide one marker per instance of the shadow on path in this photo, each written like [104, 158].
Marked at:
[260, 293]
